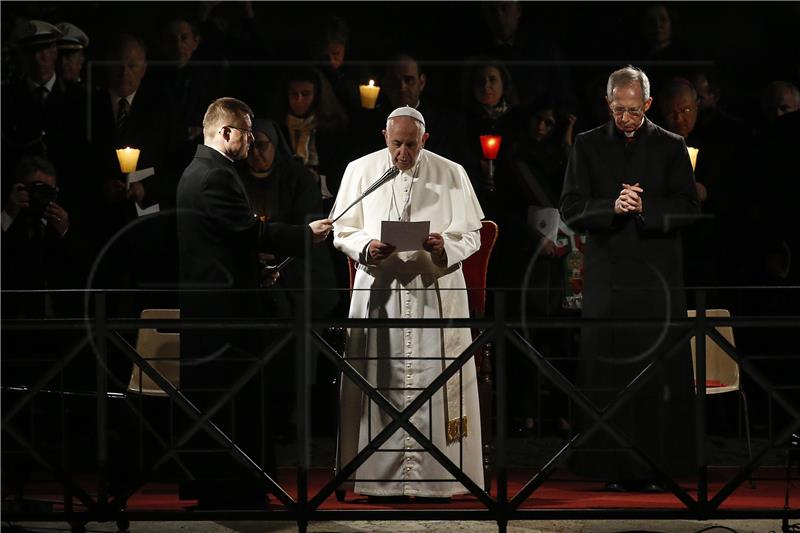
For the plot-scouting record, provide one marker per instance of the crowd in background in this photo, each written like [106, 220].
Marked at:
[81, 79]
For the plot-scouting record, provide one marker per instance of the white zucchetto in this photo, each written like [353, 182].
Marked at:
[407, 111]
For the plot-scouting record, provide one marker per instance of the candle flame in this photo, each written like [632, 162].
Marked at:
[371, 83]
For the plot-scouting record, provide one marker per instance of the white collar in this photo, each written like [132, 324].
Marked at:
[115, 98]
[220, 151]
[47, 85]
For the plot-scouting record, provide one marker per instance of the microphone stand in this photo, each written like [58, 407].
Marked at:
[387, 177]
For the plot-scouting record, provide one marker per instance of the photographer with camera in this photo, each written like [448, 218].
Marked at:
[38, 198]
[40, 250]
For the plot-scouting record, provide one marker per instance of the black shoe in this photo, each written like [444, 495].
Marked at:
[653, 488]
[613, 486]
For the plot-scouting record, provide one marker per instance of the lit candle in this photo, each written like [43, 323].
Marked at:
[369, 94]
[128, 157]
[693, 155]
[490, 145]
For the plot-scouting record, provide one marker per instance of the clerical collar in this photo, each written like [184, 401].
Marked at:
[625, 135]
[32, 85]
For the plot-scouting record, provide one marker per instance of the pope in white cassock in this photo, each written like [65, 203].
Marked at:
[411, 284]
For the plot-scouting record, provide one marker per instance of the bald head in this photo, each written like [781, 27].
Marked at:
[679, 107]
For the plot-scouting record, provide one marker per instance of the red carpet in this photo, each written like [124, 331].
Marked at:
[562, 491]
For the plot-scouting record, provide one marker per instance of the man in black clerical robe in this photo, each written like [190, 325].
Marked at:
[629, 185]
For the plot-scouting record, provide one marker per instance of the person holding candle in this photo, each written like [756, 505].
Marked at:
[629, 185]
[719, 178]
[129, 112]
[219, 239]
[490, 108]
[409, 284]
[133, 225]
[404, 83]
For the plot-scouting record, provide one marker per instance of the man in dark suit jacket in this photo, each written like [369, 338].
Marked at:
[219, 238]
[42, 115]
[629, 184]
[127, 112]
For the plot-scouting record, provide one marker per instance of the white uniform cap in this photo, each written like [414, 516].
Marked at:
[34, 33]
[407, 111]
[72, 37]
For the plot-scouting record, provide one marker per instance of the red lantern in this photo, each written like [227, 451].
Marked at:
[490, 145]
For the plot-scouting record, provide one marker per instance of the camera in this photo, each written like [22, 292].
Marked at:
[39, 195]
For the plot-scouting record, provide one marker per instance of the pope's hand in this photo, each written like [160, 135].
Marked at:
[435, 245]
[320, 229]
[378, 251]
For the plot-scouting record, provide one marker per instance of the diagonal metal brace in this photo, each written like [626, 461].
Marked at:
[600, 417]
[401, 419]
[202, 420]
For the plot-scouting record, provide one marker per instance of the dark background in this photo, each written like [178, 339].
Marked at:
[750, 42]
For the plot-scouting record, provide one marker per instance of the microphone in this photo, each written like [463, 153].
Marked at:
[388, 176]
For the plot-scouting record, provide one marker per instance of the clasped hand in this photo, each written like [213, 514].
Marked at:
[629, 199]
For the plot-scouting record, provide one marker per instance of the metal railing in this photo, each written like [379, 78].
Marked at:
[100, 333]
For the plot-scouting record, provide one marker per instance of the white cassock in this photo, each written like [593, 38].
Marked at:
[402, 361]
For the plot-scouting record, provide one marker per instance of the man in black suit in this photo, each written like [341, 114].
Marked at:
[219, 239]
[127, 111]
[134, 217]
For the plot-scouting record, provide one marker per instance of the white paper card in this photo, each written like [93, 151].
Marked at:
[153, 209]
[545, 220]
[405, 236]
[139, 175]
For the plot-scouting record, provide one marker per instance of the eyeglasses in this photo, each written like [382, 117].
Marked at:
[243, 130]
[634, 112]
